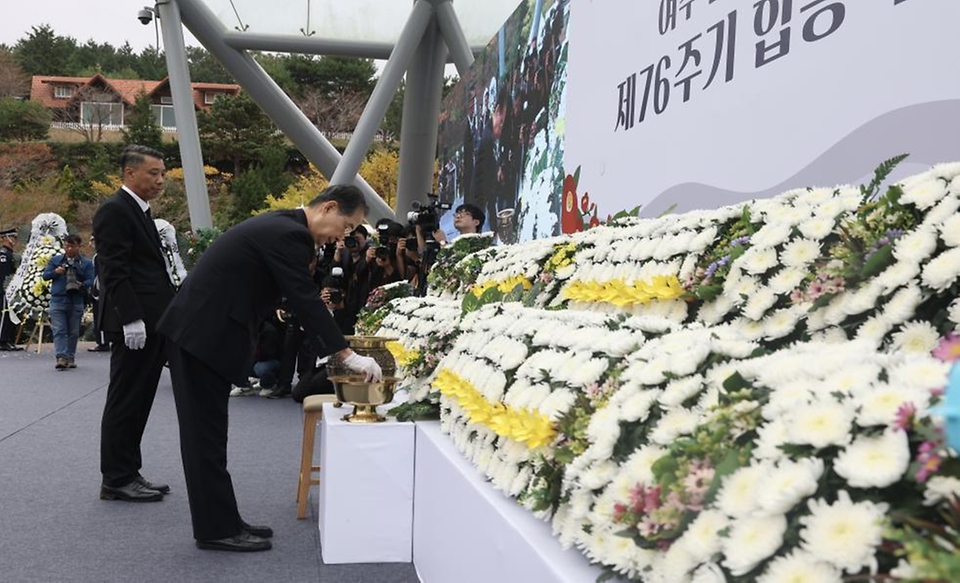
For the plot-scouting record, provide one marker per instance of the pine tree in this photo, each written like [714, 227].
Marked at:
[142, 127]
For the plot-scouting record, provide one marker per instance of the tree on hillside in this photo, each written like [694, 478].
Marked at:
[149, 64]
[23, 120]
[13, 81]
[204, 68]
[141, 124]
[235, 129]
[332, 75]
[43, 52]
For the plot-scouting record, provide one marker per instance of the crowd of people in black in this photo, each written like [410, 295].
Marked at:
[345, 272]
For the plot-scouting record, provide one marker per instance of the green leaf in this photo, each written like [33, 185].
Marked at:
[491, 296]
[664, 469]
[708, 293]
[471, 303]
[879, 175]
[736, 382]
[576, 176]
[729, 464]
[879, 261]
[514, 295]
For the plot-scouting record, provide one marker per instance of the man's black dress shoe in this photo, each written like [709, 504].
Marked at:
[132, 492]
[242, 543]
[9, 347]
[162, 488]
[256, 530]
[100, 348]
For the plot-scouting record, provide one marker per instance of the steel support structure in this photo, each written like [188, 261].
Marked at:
[421, 120]
[423, 47]
[188, 137]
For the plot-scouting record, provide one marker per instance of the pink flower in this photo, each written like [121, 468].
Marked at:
[905, 416]
[949, 348]
[797, 296]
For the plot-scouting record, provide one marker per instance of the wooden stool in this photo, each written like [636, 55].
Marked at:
[312, 412]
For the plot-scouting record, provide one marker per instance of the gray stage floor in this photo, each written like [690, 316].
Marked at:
[53, 526]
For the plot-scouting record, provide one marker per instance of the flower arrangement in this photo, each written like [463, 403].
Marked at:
[28, 294]
[196, 242]
[378, 305]
[458, 264]
[171, 252]
[786, 342]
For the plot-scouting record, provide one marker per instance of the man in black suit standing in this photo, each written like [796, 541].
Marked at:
[8, 329]
[212, 329]
[134, 291]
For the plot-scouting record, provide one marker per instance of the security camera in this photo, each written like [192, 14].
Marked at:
[145, 16]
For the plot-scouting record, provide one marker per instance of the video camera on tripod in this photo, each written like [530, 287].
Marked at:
[427, 217]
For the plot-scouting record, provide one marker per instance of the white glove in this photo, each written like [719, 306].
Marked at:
[135, 335]
[366, 365]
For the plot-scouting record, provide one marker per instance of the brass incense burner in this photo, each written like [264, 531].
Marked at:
[351, 387]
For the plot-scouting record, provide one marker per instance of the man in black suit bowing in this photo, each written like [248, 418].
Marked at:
[135, 290]
[212, 328]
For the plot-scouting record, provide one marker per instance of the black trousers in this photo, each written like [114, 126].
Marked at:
[202, 397]
[8, 330]
[133, 385]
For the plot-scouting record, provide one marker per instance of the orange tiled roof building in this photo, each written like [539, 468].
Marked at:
[100, 101]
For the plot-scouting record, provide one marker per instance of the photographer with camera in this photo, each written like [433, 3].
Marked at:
[314, 380]
[72, 276]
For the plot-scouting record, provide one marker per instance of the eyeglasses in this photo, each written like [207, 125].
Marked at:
[461, 213]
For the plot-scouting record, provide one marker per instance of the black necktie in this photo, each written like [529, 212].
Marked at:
[151, 226]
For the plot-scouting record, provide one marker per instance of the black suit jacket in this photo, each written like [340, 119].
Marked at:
[238, 282]
[134, 284]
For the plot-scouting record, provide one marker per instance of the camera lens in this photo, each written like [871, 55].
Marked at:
[336, 296]
[350, 241]
[382, 252]
[412, 243]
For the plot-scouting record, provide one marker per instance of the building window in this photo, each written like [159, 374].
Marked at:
[63, 91]
[166, 99]
[96, 113]
[210, 96]
[163, 115]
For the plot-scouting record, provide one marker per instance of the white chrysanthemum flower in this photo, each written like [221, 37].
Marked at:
[898, 274]
[639, 466]
[637, 407]
[878, 405]
[800, 253]
[874, 329]
[946, 170]
[845, 534]
[781, 323]
[786, 280]
[751, 540]
[940, 488]
[770, 235]
[603, 431]
[916, 337]
[903, 305]
[738, 495]
[702, 539]
[799, 567]
[770, 436]
[599, 474]
[759, 302]
[819, 424]
[558, 403]
[673, 424]
[916, 246]
[758, 261]
[920, 374]
[674, 565]
[924, 194]
[942, 270]
[874, 462]
[817, 227]
[861, 300]
[950, 231]
[789, 484]
[678, 391]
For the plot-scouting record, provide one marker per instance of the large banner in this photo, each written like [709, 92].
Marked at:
[680, 104]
